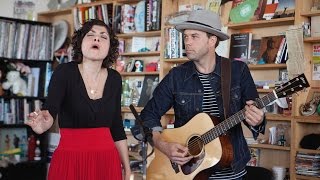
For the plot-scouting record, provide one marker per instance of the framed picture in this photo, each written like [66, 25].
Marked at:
[10, 137]
[315, 5]
[283, 75]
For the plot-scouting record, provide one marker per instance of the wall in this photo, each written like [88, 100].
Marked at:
[6, 7]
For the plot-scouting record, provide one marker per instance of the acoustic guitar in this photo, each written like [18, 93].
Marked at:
[207, 142]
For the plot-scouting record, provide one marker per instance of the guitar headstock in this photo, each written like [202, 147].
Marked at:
[294, 85]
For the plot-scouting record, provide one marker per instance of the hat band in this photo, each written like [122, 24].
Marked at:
[203, 25]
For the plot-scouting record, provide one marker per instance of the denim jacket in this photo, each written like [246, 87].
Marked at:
[182, 89]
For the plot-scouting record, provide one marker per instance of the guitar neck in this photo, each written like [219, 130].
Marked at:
[235, 119]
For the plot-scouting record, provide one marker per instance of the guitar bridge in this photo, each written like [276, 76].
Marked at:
[175, 167]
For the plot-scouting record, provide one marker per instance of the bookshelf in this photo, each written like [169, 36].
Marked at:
[299, 125]
[26, 50]
[284, 156]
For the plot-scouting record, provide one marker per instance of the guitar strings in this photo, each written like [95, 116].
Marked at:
[215, 131]
[195, 142]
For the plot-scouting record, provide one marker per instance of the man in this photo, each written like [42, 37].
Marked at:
[195, 87]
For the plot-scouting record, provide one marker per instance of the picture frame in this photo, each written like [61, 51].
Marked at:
[315, 5]
[10, 138]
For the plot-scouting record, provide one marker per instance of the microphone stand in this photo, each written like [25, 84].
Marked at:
[146, 134]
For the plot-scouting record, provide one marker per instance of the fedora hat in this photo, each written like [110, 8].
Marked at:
[203, 20]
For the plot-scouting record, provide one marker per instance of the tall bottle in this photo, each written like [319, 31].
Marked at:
[31, 147]
[135, 94]
[24, 148]
[37, 151]
[126, 95]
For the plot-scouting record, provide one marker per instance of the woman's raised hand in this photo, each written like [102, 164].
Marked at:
[40, 121]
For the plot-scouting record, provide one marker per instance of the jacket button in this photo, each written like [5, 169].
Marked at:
[197, 109]
[183, 101]
[199, 91]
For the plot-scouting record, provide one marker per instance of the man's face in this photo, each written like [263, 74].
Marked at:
[197, 44]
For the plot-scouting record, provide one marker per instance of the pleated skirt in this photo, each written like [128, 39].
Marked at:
[85, 154]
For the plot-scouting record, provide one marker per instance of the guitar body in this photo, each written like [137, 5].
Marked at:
[161, 168]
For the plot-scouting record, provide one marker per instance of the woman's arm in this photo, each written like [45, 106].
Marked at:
[122, 147]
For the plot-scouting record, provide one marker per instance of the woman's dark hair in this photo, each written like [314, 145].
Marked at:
[79, 35]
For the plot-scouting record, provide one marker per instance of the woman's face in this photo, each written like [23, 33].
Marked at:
[95, 44]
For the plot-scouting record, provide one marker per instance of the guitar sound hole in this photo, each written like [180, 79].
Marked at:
[195, 145]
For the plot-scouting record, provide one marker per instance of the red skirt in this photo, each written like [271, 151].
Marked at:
[85, 154]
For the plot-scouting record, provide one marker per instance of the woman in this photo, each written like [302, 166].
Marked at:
[86, 96]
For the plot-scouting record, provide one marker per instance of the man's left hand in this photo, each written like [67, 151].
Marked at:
[253, 115]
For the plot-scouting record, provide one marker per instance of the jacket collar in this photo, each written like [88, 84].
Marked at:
[191, 68]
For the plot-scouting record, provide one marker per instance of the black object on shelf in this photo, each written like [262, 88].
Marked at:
[35, 170]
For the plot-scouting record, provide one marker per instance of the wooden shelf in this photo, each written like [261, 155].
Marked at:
[26, 60]
[139, 73]
[278, 117]
[263, 23]
[308, 151]
[56, 12]
[307, 177]
[128, 1]
[308, 119]
[310, 13]
[97, 3]
[24, 97]
[265, 90]
[127, 109]
[176, 60]
[149, 53]
[312, 39]
[140, 34]
[267, 66]
[13, 126]
[269, 146]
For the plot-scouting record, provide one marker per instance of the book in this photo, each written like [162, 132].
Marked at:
[245, 10]
[116, 23]
[270, 9]
[254, 51]
[240, 45]
[285, 9]
[213, 5]
[139, 17]
[121, 46]
[150, 82]
[281, 51]
[138, 44]
[315, 27]
[269, 48]
[48, 74]
[127, 18]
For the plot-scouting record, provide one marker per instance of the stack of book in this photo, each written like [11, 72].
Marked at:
[308, 164]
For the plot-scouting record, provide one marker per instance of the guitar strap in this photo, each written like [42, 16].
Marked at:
[225, 90]
[225, 84]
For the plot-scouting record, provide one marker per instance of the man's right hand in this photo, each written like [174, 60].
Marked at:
[40, 121]
[175, 152]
